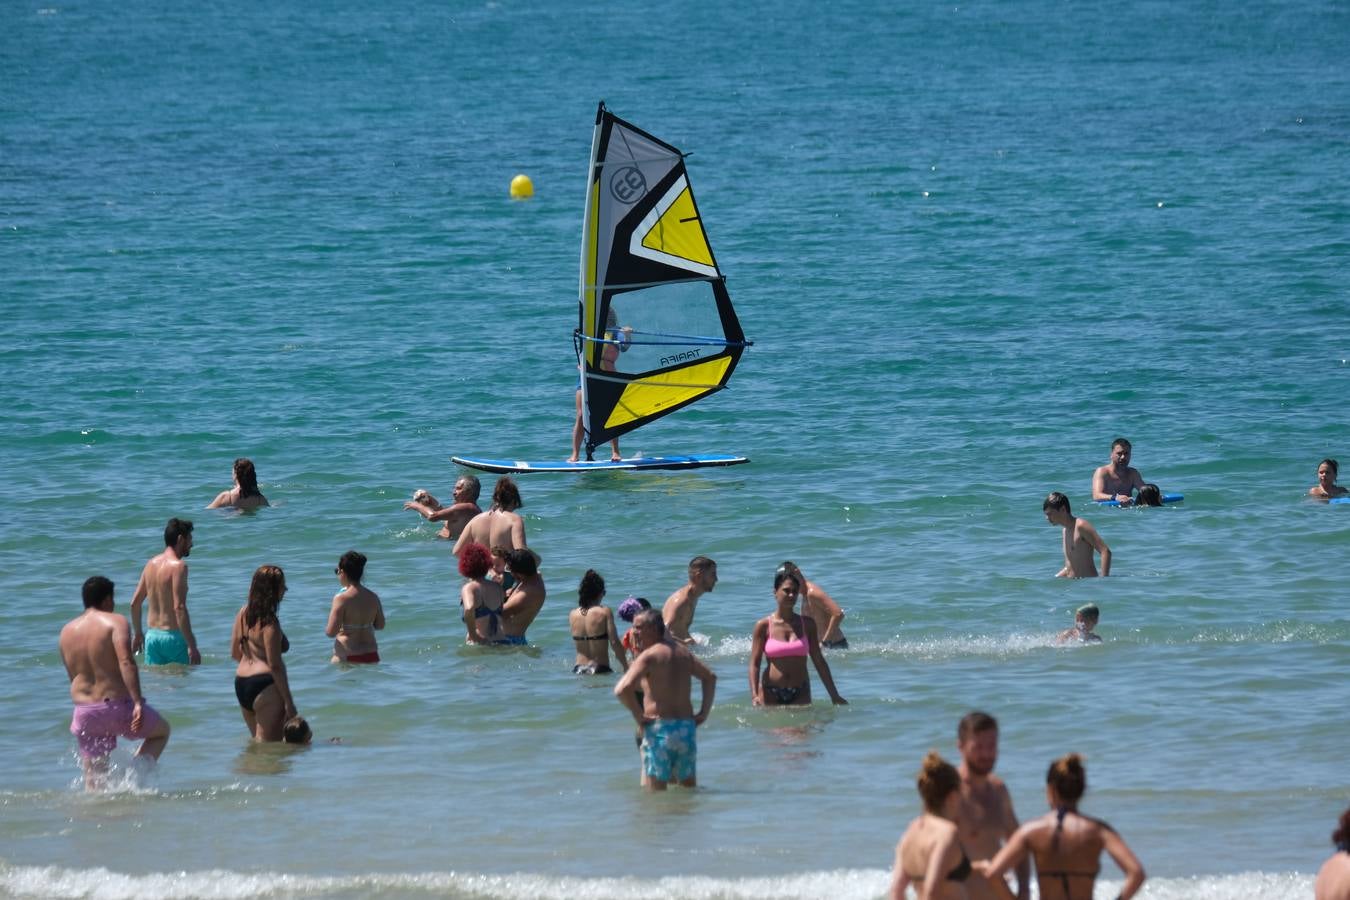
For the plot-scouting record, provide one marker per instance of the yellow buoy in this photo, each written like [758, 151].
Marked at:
[522, 188]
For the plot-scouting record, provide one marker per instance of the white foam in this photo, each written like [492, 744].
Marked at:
[839, 884]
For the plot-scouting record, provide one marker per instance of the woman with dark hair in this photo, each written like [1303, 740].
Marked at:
[356, 614]
[787, 640]
[481, 599]
[1326, 486]
[1066, 844]
[1333, 879]
[257, 643]
[929, 855]
[245, 493]
[593, 629]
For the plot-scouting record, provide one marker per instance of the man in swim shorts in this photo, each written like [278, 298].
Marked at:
[680, 606]
[985, 819]
[165, 581]
[1117, 480]
[105, 685]
[525, 598]
[664, 672]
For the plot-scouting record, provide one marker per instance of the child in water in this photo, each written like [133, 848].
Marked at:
[1083, 622]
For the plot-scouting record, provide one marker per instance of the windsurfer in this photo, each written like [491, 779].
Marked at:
[609, 356]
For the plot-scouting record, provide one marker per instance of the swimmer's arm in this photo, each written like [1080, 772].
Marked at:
[934, 876]
[518, 533]
[832, 609]
[179, 580]
[137, 599]
[378, 624]
[1129, 863]
[1099, 491]
[626, 689]
[1010, 826]
[131, 677]
[1011, 854]
[222, 499]
[272, 651]
[467, 602]
[817, 657]
[614, 643]
[461, 540]
[1092, 537]
[708, 679]
[421, 509]
[899, 879]
[334, 618]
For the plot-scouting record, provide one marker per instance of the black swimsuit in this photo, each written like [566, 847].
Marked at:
[1063, 876]
[247, 689]
[962, 870]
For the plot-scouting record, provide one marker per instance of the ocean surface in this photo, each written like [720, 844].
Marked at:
[972, 243]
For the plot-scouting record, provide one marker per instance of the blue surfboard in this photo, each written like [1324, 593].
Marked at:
[1166, 498]
[636, 463]
[1339, 500]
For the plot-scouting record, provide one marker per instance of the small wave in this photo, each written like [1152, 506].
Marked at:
[936, 648]
[839, 884]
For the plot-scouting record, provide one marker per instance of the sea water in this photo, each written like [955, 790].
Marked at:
[972, 243]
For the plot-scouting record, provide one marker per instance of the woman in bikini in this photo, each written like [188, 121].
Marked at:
[257, 644]
[1326, 486]
[1066, 844]
[356, 614]
[787, 639]
[481, 599]
[245, 493]
[929, 855]
[593, 629]
[1333, 880]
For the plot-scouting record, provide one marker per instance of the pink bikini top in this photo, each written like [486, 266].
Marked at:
[776, 649]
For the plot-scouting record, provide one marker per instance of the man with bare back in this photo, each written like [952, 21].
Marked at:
[986, 818]
[678, 611]
[164, 580]
[501, 525]
[1080, 539]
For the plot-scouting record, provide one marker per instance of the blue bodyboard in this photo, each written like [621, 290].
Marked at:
[1166, 498]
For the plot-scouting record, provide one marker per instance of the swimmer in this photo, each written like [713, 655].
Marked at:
[257, 644]
[245, 493]
[356, 614]
[1326, 487]
[787, 640]
[678, 611]
[164, 581]
[481, 599]
[1148, 495]
[1084, 620]
[1117, 480]
[454, 517]
[664, 673]
[593, 629]
[500, 525]
[1066, 845]
[106, 686]
[821, 607]
[1080, 539]
[929, 855]
[1333, 879]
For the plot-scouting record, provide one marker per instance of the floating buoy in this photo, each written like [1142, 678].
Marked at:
[522, 188]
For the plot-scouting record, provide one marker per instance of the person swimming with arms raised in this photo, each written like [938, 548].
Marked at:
[454, 517]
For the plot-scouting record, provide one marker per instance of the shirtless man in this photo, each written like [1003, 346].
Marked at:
[105, 685]
[454, 517]
[678, 612]
[525, 598]
[986, 817]
[821, 607]
[1117, 480]
[165, 581]
[1080, 539]
[501, 525]
[664, 672]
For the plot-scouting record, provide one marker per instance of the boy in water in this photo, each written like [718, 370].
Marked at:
[1080, 539]
[1083, 622]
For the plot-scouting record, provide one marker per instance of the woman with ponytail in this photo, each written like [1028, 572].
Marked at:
[1333, 880]
[929, 855]
[1066, 844]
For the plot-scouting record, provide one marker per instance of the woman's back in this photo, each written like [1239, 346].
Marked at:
[590, 634]
[252, 644]
[1067, 847]
[484, 599]
[358, 614]
[923, 836]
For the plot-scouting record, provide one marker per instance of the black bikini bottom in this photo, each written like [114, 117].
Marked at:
[248, 689]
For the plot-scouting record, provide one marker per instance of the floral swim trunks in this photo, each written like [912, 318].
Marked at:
[669, 749]
[98, 725]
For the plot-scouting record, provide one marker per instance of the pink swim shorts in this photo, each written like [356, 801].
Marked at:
[98, 725]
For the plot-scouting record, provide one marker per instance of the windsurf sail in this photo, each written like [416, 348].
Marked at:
[657, 331]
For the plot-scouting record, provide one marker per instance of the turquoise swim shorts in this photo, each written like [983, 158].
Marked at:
[163, 648]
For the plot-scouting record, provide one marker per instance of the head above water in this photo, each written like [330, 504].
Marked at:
[1089, 614]
[1332, 465]
[1057, 501]
[297, 731]
[97, 590]
[1149, 495]
[353, 565]
[591, 589]
[782, 576]
[469, 486]
[650, 621]
[506, 496]
[247, 476]
[475, 560]
[977, 741]
[938, 780]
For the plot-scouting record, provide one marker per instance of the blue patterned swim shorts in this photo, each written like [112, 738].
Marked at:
[669, 749]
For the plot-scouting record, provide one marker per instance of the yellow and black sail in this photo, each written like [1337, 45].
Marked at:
[657, 331]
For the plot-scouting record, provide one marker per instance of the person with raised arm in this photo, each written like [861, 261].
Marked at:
[454, 517]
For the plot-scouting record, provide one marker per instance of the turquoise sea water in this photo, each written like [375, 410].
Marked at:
[973, 244]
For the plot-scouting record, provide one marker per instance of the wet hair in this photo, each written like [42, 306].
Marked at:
[471, 482]
[521, 562]
[973, 723]
[1121, 442]
[1056, 500]
[475, 560]
[1149, 495]
[937, 779]
[264, 596]
[653, 618]
[175, 529]
[591, 589]
[353, 565]
[296, 731]
[506, 495]
[630, 607]
[1335, 467]
[782, 575]
[701, 564]
[1068, 777]
[1341, 836]
[96, 589]
[1089, 611]
[247, 476]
